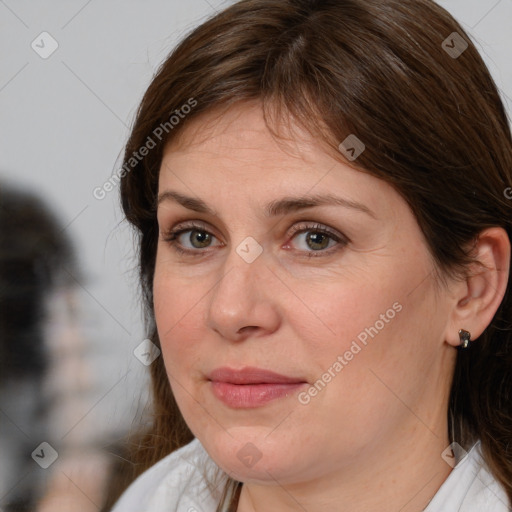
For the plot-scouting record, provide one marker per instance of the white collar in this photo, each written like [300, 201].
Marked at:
[470, 487]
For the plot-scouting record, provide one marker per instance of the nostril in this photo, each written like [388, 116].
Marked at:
[249, 328]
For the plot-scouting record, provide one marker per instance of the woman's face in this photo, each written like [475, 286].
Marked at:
[338, 299]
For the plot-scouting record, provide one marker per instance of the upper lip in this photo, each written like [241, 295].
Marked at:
[251, 375]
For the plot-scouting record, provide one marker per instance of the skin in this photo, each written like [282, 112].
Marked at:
[375, 433]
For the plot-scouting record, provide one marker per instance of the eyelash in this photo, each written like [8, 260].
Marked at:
[171, 237]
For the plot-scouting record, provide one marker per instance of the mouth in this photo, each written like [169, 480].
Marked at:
[251, 387]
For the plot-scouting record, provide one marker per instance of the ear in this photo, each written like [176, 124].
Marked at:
[479, 295]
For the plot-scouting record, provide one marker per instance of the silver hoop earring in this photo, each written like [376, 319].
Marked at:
[465, 338]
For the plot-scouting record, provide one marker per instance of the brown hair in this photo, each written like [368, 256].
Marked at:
[434, 128]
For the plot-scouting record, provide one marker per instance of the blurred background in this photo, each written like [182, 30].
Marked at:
[73, 382]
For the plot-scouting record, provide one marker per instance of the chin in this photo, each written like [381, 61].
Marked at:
[248, 455]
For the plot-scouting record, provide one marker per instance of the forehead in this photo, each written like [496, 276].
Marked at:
[243, 126]
[232, 151]
[238, 139]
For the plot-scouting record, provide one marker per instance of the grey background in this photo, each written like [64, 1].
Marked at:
[63, 124]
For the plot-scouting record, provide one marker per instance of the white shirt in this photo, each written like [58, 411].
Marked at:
[176, 484]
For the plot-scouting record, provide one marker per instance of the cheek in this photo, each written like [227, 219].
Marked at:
[179, 330]
[370, 331]
[348, 310]
[180, 333]
[381, 354]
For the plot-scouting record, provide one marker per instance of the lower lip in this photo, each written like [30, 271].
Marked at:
[241, 396]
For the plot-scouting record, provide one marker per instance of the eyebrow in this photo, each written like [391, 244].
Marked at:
[274, 208]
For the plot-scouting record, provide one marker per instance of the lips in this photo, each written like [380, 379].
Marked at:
[251, 375]
[251, 387]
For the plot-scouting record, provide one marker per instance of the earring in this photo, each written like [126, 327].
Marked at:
[465, 338]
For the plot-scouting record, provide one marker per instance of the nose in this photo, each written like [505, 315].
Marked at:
[245, 299]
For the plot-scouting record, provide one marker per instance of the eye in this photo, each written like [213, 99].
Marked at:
[198, 237]
[317, 239]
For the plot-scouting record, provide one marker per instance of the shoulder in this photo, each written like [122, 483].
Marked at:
[181, 479]
[470, 487]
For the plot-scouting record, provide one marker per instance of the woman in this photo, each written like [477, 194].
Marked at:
[319, 189]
